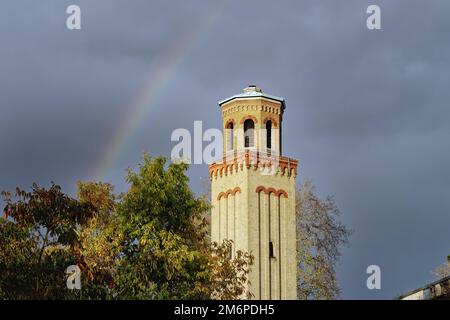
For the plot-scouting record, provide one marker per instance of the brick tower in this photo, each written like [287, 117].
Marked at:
[253, 192]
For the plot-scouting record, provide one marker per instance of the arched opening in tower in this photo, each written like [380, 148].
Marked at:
[230, 136]
[249, 128]
[269, 134]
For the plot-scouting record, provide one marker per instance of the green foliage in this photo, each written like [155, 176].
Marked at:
[38, 242]
[150, 243]
[165, 254]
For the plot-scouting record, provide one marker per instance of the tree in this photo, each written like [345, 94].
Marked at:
[98, 240]
[164, 252]
[38, 241]
[319, 237]
[443, 270]
[149, 243]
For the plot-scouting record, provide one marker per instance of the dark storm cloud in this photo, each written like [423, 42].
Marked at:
[367, 112]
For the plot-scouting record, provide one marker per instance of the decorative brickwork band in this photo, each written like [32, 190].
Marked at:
[228, 192]
[274, 122]
[230, 121]
[252, 159]
[249, 117]
[277, 193]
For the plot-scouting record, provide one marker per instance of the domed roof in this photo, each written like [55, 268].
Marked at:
[250, 92]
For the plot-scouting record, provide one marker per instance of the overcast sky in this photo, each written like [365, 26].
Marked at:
[367, 111]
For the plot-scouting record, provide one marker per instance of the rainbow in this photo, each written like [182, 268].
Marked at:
[153, 87]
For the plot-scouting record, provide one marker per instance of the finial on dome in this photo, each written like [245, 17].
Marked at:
[252, 88]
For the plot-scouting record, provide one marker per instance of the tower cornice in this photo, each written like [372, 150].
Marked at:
[253, 160]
